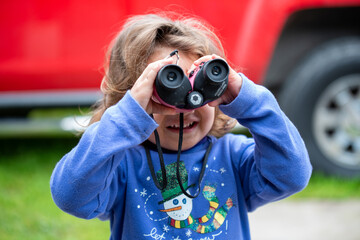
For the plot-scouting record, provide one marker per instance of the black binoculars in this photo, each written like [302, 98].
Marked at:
[205, 84]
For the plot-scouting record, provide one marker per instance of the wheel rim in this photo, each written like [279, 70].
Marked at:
[336, 122]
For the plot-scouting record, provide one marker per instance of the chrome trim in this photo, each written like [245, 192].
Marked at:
[18, 99]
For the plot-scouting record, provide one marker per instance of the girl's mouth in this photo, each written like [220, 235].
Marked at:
[187, 126]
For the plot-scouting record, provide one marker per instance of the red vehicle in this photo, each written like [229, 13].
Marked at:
[306, 51]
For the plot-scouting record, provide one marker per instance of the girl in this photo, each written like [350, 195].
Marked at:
[119, 172]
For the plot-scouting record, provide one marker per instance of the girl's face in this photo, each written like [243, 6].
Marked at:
[197, 123]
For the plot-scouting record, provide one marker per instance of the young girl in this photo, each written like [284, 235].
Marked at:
[116, 172]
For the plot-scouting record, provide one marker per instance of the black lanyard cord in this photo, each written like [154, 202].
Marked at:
[162, 164]
[205, 160]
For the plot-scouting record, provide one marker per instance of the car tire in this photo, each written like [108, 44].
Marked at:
[322, 98]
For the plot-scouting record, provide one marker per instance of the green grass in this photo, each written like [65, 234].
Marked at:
[59, 112]
[27, 209]
[329, 187]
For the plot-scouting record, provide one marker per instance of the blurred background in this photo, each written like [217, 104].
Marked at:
[307, 52]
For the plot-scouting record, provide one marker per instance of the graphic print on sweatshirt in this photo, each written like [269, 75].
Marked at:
[176, 209]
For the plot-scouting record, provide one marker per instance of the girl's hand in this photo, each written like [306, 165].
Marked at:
[142, 91]
[234, 85]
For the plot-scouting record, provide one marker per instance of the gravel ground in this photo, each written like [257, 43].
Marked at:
[310, 220]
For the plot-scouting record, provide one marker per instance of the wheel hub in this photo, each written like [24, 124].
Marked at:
[336, 121]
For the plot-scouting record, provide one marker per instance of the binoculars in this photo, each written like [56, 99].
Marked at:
[205, 84]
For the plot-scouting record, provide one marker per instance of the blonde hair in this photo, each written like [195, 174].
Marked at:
[139, 38]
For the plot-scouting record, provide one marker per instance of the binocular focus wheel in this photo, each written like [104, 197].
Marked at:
[195, 99]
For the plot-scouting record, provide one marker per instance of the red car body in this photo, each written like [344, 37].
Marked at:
[52, 54]
[59, 46]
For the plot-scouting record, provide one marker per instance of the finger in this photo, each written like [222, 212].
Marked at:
[150, 76]
[205, 59]
[200, 60]
[235, 83]
[155, 66]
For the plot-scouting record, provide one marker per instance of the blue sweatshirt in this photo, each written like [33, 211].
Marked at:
[107, 174]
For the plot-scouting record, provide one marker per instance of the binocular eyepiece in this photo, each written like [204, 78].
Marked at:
[205, 84]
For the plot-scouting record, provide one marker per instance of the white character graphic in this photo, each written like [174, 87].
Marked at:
[178, 206]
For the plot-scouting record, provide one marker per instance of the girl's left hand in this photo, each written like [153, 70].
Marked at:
[234, 85]
[142, 91]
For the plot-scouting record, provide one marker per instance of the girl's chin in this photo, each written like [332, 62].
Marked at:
[183, 148]
[174, 144]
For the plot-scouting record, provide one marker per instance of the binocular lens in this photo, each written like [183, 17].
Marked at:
[172, 86]
[171, 76]
[216, 70]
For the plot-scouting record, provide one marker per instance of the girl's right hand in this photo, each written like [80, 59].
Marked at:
[142, 91]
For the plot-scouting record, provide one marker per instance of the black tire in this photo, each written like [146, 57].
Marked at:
[322, 98]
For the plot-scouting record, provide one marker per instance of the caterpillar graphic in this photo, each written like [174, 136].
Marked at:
[179, 207]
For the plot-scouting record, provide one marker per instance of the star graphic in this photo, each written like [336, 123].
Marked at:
[143, 193]
[166, 228]
[196, 169]
[222, 170]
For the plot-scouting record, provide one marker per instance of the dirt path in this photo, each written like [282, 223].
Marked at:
[310, 220]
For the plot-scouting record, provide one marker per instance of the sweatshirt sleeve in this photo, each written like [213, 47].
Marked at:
[84, 182]
[277, 165]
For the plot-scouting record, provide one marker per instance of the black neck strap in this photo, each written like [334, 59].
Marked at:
[162, 164]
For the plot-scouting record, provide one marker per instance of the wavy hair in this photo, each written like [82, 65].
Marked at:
[140, 36]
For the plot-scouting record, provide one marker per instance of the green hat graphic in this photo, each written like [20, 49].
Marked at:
[173, 189]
